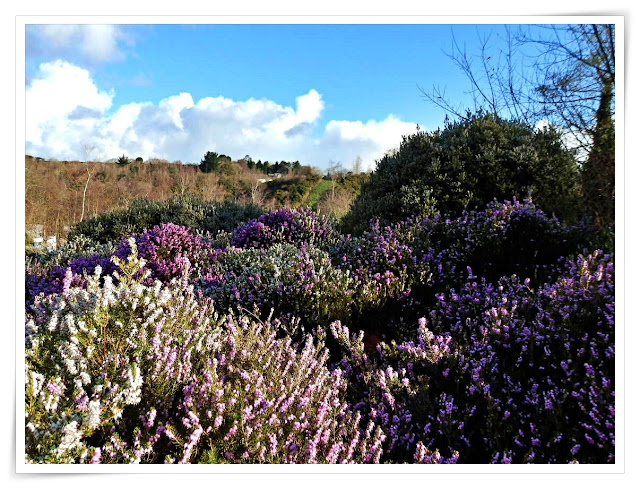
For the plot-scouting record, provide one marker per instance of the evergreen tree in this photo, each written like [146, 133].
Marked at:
[210, 163]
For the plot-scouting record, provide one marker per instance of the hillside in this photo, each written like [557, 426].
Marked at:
[54, 190]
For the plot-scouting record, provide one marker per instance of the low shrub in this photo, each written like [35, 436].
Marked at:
[69, 250]
[318, 359]
[391, 383]
[170, 251]
[293, 226]
[534, 381]
[104, 363]
[294, 283]
[499, 373]
[130, 373]
[187, 210]
[443, 252]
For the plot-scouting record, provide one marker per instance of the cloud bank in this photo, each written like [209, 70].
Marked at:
[93, 44]
[66, 111]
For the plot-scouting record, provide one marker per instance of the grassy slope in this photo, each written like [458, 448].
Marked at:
[318, 191]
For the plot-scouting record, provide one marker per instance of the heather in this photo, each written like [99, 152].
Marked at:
[294, 226]
[484, 336]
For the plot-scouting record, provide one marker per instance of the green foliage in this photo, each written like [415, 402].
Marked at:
[296, 284]
[184, 210]
[75, 247]
[122, 161]
[293, 191]
[210, 163]
[466, 165]
[316, 193]
[228, 215]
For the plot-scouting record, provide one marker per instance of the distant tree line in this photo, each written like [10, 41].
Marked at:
[212, 163]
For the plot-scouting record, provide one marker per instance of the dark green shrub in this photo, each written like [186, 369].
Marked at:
[466, 165]
[228, 215]
[122, 161]
[184, 210]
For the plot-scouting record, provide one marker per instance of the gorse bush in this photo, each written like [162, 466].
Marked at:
[228, 215]
[465, 165]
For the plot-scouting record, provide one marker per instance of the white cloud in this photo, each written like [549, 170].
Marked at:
[572, 140]
[63, 106]
[66, 110]
[94, 43]
[371, 139]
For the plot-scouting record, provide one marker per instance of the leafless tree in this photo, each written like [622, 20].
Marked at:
[88, 149]
[575, 78]
[334, 171]
[257, 193]
[357, 165]
[497, 85]
[561, 74]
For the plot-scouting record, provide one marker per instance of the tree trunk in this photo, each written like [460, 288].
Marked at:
[84, 194]
[599, 169]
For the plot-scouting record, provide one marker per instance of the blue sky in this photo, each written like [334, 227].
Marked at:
[313, 93]
[363, 71]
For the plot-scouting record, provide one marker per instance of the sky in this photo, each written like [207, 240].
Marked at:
[318, 94]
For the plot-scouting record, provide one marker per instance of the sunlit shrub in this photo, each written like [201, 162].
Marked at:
[293, 226]
[128, 358]
[295, 283]
[466, 165]
[184, 210]
[264, 400]
[103, 362]
[167, 250]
